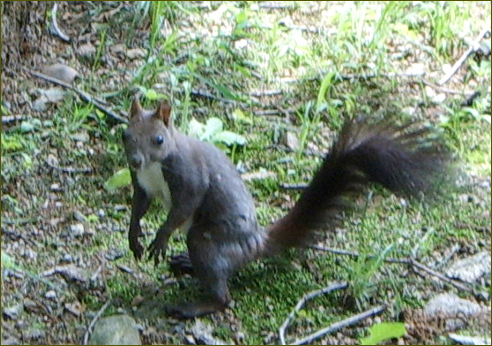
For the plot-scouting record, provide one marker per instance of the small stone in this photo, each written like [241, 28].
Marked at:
[115, 330]
[101, 213]
[86, 50]
[55, 187]
[61, 72]
[67, 258]
[77, 230]
[450, 304]
[470, 269]
[77, 215]
[136, 53]
[13, 312]
[80, 137]
[50, 294]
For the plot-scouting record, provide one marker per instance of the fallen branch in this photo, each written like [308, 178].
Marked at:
[85, 96]
[11, 118]
[473, 48]
[69, 169]
[342, 324]
[88, 332]
[304, 299]
[446, 90]
[60, 33]
[408, 261]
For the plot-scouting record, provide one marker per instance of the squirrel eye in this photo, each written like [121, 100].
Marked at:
[159, 139]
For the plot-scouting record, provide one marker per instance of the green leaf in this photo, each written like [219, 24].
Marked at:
[8, 261]
[120, 179]
[195, 128]
[151, 94]
[325, 84]
[238, 115]
[229, 138]
[212, 127]
[384, 331]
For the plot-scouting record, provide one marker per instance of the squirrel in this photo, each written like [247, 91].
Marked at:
[207, 198]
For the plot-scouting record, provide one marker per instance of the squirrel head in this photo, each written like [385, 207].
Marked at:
[149, 136]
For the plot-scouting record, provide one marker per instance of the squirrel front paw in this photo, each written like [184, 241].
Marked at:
[136, 248]
[157, 249]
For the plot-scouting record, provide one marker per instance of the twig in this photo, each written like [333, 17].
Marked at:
[408, 261]
[88, 332]
[342, 324]
[353, 76]
[60, 33]
[304, 299]
[260, 93]
[446, 90]
[11, 118]
[275, 5]
[473, 48]
[70, 169]
[208, 95]
[85, 96]
[293, 186]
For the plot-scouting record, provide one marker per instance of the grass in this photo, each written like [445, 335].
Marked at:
[228, 51]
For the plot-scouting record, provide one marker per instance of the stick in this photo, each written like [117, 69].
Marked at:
[88, 332]
[60, 33]
[11, 118]
[342, 324]
[473, 48]
[70, 169]
[408, 261]
[446, 90]
[85, 96]
[304, 299]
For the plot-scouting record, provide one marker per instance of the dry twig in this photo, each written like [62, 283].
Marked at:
[408, 261]
[473, 48]
[85, 96]
[88, 332]
[304, 299]
[58, 31]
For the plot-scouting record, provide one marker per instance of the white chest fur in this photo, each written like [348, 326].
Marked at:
[154, 184]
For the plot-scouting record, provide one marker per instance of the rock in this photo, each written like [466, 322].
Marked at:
[136, 53]
[13, 312]
[115, 330]
[469, 340]
[202, 334]
[291, 141]
[450, 304]
[86, 50]
[470, 269]
[50, 294]
[61, 72]
[77, 230]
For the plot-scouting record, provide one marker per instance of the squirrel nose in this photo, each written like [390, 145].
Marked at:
[136, 161]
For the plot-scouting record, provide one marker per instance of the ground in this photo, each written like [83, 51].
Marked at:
[284, 76]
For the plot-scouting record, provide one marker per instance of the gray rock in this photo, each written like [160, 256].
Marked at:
[469, 340]
[470, 269]
[77, 230]
[450, 304]
[115, 330]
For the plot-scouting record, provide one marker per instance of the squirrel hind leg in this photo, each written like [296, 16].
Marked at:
[220, 299]
[212, 270]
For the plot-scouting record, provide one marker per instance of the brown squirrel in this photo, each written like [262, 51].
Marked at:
[206, 196]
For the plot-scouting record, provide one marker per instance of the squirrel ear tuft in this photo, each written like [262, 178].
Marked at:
[136, 108]
[163, 112]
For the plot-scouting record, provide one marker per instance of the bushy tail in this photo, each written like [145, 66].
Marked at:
[407, 160]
